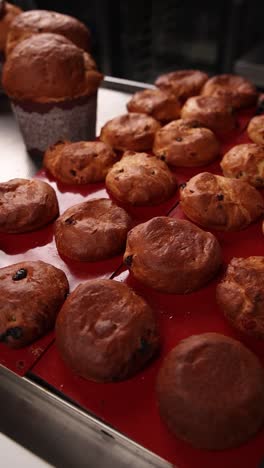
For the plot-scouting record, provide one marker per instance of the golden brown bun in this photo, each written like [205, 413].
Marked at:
[240, 295]
[216, 202]
[237, 90]
[105, 332]
[186, 143]
[245, 162]
[31, 296]
[171, 255]
[92, 230]
[48, 67]
[255, 129]
[43, 21]
[26, 205]
[157, 103]
[133, 132]
[182, 83]
[210, 391]
[7, 14]
[140, 179]
[210, 111]
[79, 163]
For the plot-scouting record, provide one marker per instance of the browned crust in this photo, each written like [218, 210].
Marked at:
[216, 202]
[31, 294]
[49, 68]
[105, 332]
[182, 83]
[172, 255]
[240, 295]
[210, 111]
[140, 179]
[255, 129]
[186, 143]
[237, 90]
[210, 392]
[26, 205]
[92, 230]
[79, 163]
[44, 21]
[163, 106]
[245, 162]
[133, 132]
[6, 17]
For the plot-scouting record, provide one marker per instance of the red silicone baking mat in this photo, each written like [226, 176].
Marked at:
[40, 245]
[130, 406]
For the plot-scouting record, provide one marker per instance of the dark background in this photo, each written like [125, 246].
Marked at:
[140, 39]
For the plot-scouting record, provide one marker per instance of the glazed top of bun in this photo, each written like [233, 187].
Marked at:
[48, 67]
[43, 21]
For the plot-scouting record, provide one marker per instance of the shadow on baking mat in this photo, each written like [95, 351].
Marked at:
[21, 360]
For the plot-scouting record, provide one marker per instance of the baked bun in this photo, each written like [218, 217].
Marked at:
[171, 255]
[245, 162]
[105, 332]
[186, 143]
[255, 129]
[140, 179]
[44, 21]
[26, 205]
[133, 132]
[216, 202]
[92, 230]
[162, 106]
[49, 68]
[240, 295]
[83, 162]
[182, 83]
[32, 294]
[237, 90]
[210, 111]
[210, 392]
[8, 12]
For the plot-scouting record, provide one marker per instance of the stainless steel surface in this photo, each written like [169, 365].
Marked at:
[62, 434]
[37, 419]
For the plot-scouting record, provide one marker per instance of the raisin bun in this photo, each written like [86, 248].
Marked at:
[163, 106]
[182, 83]
[8, 13]
[216, 202]
[26, 205]
[211, 112]
[237, 90]
[210, 392]
[43, 21]
[105, 332]
[186, 143]
[171, 255]
[240, 295]
[32, 294]
[92, 230]
[133, 132]
[255, 129]
[48, 67]
[82, 162]
[140, 179]
[245, 162]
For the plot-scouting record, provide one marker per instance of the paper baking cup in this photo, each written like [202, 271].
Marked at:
[43, 124]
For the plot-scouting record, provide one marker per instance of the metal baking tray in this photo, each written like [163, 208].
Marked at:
[128, 407]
